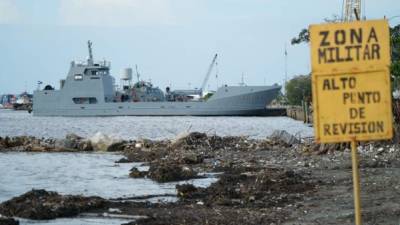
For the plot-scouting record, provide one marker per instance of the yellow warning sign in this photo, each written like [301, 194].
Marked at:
[353, 46]
[352, 106]
[351, 82]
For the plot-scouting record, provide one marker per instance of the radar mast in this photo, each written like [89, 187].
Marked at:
[90, 60]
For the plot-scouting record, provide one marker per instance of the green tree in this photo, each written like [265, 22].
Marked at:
[304, 36]
[298, 89]
[395, 50]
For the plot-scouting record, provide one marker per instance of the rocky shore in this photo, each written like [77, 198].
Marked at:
[276, 180]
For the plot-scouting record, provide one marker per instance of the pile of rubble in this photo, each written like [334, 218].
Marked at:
[43, 205]
[191, 142]
[8, 221]
[165, 173]
[270, 187]
[72, 142]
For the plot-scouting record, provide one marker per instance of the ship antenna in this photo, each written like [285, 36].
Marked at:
[90, 60]
[242, 81]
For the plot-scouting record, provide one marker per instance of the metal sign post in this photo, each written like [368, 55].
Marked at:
[356, 182]
[351, 86]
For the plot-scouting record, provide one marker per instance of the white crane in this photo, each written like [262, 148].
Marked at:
[350, 7]
[203, 85]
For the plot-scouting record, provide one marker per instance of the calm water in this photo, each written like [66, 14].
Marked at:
[77, 173]
[21, 123]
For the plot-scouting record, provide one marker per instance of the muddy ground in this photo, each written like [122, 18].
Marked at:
[269, 181]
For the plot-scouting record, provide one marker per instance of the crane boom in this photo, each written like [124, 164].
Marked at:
[203, 85]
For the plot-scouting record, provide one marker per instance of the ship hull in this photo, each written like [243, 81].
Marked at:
[234, 101]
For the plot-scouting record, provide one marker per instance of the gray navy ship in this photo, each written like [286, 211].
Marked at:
[90, 90]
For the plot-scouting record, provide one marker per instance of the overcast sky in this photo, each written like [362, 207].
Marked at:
[172, 41]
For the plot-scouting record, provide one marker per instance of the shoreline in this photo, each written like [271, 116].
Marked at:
[278, 180]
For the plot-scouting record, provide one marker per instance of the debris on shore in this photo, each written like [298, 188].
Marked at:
[191, 142]
[270, 187]
[259, 197]
[277, 180]
[43, 205]
[164, 172]
[195, 146]
[8, 221]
